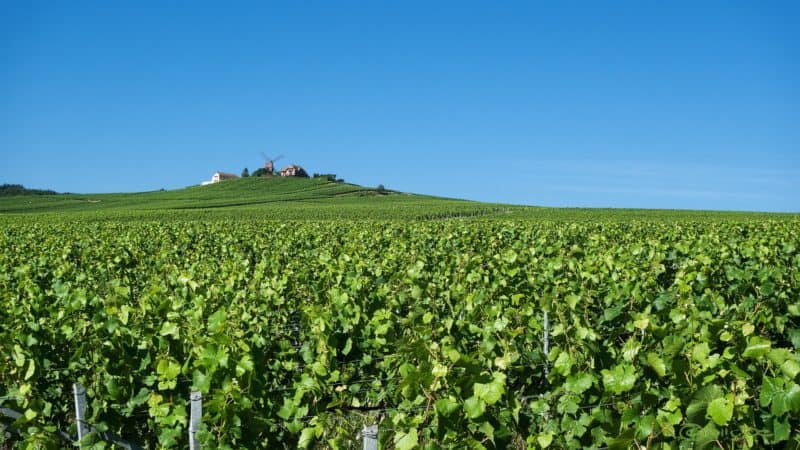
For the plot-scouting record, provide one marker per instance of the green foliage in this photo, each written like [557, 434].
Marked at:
[663, 334]
[326, 176]
[8, 190]
[621, 378]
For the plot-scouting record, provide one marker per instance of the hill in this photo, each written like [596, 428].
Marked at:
[311, 199]
[272, 197]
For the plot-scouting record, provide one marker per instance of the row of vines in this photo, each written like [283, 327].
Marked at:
[662, 335]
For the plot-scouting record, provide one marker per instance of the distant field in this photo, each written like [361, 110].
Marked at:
[312, 199]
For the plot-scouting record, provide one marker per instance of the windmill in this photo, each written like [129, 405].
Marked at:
[269, 166]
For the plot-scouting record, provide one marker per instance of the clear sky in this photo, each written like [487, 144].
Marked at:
[624, 104]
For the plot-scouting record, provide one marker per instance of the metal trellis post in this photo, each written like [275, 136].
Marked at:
[79, 393]
[370, 435]
[196, 411]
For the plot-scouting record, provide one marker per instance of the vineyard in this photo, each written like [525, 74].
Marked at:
[670, 334]
[285, 199]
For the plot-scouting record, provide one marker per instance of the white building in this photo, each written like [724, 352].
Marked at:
[293, 170]
[219, 176]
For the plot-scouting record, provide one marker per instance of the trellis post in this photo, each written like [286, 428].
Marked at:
[79, 393]
[370, 435]
[196, 412]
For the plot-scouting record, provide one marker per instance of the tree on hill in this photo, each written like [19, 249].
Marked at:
[245, 173]
[7, 190]
[260, 172]
[301, 173]
[328, 176]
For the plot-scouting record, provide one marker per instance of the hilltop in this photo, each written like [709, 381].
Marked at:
[261, 197]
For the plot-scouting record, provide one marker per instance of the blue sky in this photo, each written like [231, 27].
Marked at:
[620, 104]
